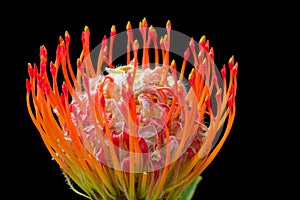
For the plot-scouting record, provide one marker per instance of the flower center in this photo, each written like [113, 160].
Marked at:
[153, 104]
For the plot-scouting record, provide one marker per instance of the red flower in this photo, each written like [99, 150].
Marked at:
[138, 130]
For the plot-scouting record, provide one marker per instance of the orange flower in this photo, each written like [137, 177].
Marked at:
[138, 130]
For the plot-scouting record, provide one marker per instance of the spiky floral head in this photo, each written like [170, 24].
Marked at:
[138, 130]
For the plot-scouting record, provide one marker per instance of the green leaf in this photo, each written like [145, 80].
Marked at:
[188, 193]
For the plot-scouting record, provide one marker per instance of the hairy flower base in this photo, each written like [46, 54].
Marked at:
[135, 131]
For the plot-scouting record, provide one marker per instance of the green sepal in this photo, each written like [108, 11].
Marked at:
[188, 193]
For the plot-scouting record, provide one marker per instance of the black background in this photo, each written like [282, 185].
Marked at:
[31, 170]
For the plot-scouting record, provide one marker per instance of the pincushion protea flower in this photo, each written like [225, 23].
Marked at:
[138, 130]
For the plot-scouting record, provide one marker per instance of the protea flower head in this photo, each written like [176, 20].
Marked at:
[140, 129]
